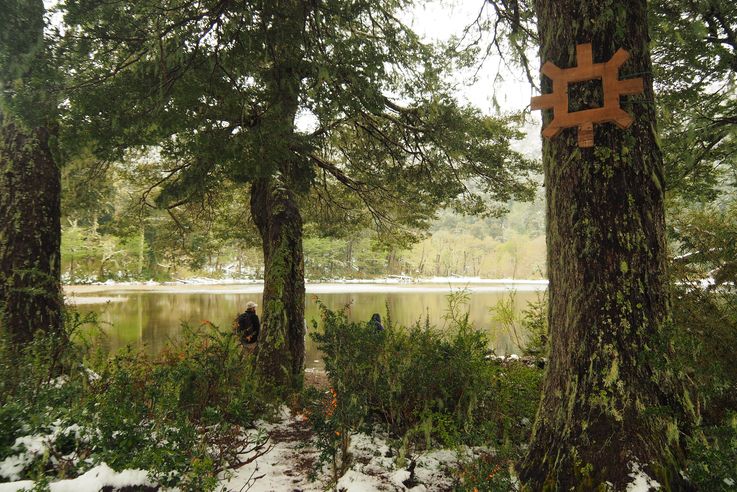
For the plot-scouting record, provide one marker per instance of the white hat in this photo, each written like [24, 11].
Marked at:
[251, 305]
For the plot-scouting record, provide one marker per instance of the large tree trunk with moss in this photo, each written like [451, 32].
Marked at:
[281, 351]
[274, 205]
[610, 399]
[30, 231]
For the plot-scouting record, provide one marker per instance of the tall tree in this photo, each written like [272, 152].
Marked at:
[221, 87]
[695, 53]
[30, 190]
[611, 403]
[695, 48]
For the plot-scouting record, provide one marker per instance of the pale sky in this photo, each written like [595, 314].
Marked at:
[438, 20]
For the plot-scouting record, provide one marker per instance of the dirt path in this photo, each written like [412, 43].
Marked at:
[317, 378]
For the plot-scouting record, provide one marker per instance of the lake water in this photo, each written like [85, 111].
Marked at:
[149, 316]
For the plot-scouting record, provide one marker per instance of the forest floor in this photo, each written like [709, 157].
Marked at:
[291, 463]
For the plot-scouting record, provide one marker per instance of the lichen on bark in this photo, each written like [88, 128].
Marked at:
[282, 347]
[30, 231]
[609, 396]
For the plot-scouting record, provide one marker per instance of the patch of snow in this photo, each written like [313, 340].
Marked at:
[375, 462]
[92, 375]
[60, 381]
[355, 481]
[289, 462]
[278, 469]
[91, 481]
[641, 481]
[86, 300]
[400, 476]
[29, 448]
[251, 286]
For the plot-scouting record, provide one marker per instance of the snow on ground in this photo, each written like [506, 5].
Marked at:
[92, 481]
[641, 481]
[291, 463]
[389, 285]
[83, 300]
[285, 467]
[293, 459]
[31, 447]
[374, 468]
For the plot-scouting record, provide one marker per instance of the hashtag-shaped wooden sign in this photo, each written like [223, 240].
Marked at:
[586, 69]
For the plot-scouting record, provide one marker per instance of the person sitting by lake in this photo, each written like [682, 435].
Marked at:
[376, 322]
[248, 325]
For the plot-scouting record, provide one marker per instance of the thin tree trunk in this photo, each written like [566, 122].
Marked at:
[282, 341]
[610, 399]
[30, 232]
[349, 256]
[141, 254]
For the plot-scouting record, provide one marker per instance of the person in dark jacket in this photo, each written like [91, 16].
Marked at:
[376, 322]
[249, 326]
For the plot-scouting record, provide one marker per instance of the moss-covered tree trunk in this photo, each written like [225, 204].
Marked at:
[274, 204]
[281, 351]
[30, 231]
[609, 399]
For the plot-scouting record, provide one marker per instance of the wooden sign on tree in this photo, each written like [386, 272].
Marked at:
[610, 112]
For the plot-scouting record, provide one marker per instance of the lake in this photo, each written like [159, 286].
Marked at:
[148, 316]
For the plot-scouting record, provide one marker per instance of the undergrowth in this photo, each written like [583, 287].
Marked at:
[425, 387]
[705, 339]
[182, 415]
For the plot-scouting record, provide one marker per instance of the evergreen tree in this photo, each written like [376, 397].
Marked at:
[30, 234]
[219, 89]
[611, 402]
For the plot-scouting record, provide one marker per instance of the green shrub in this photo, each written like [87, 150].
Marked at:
[490, 472]
[528, 327]
[712, 463]
[705, 336]
[179, 415]
[426, 387]
[333, 425]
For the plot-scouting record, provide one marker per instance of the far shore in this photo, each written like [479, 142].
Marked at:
[81, 294]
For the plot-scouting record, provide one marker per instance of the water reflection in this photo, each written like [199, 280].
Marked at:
[151, 318]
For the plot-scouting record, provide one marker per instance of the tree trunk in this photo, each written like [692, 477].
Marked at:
[609, 397]
[281, 351]
[274, 206]
[30, 232]
[141, 254]
[349, 256]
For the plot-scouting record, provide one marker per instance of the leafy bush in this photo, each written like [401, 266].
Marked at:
[712, 463]
[491, 472]
[180, 415]
[705, 335]
[331, 424]
[528, 328]
[426, 387]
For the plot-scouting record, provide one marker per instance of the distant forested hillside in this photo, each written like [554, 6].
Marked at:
[110, 232]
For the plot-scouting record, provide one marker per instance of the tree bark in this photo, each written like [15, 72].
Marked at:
[610, 399]
[30, 232]
[274, 205]
[281, 350]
